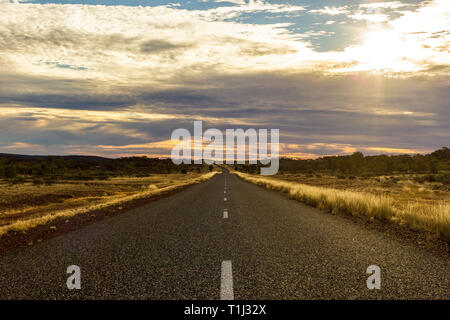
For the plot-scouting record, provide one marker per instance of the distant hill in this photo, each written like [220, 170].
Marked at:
[40, 157]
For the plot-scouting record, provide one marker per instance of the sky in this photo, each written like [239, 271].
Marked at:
[115, 78]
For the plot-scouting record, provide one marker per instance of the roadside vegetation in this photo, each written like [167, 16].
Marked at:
[43, 189]
[27, 206]
[413, 191]
[17, 169]
[435, 165]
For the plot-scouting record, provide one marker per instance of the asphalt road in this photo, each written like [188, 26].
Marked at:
[182, 247]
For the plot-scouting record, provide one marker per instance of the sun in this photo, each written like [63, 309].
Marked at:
[385, 51]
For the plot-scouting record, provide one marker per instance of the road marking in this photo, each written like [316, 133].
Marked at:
[225, 214]
[225, 191]
[226, 281]
[224, 199]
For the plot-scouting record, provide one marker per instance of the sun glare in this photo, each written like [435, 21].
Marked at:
[385, 50]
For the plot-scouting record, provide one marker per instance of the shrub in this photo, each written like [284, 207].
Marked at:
[38, 181]
[18, 180]
[10, 172]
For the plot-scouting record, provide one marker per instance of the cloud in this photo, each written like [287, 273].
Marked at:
[371, 17]
[404, 45]
[14, 1]
[115, 80]
[388, 4]
[157, 46]
[252, 6]
[395, 151]
[332, 11]
[238, 2]
[110, 43]
[308, 110]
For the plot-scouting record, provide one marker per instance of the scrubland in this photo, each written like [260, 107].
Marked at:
[26, 205]
[401, 199]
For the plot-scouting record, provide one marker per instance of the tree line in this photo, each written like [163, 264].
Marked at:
[358, 164]
[20, 168]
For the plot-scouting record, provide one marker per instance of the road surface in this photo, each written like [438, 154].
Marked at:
[187, 246]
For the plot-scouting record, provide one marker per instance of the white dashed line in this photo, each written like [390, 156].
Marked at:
[226, 281]
[225, 214]
[224, 191]
[224, 199]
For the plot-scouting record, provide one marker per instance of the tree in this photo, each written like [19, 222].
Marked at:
[10, 172]
[433, 165]
[356, 162]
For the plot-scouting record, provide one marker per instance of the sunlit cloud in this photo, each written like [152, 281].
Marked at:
[406, 46]
[332, 11]
[371, 17]
[388, 4]
[86, 115]
[397, 151]
[16, 146]
[108, 43]
[147, 147]
[115, 80]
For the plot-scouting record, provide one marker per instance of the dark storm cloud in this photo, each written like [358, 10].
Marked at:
[94, 102]
[359, 110]
[59, 93]
[176, 97]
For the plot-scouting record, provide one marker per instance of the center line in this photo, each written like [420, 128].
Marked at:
[224, 191]
[226, 281]
[225, 214]
[224, 199]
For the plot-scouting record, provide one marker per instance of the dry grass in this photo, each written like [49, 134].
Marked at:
[402, 187]
[434, 217]
[26, 206]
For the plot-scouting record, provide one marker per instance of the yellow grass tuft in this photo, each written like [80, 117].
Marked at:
[418, 216]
